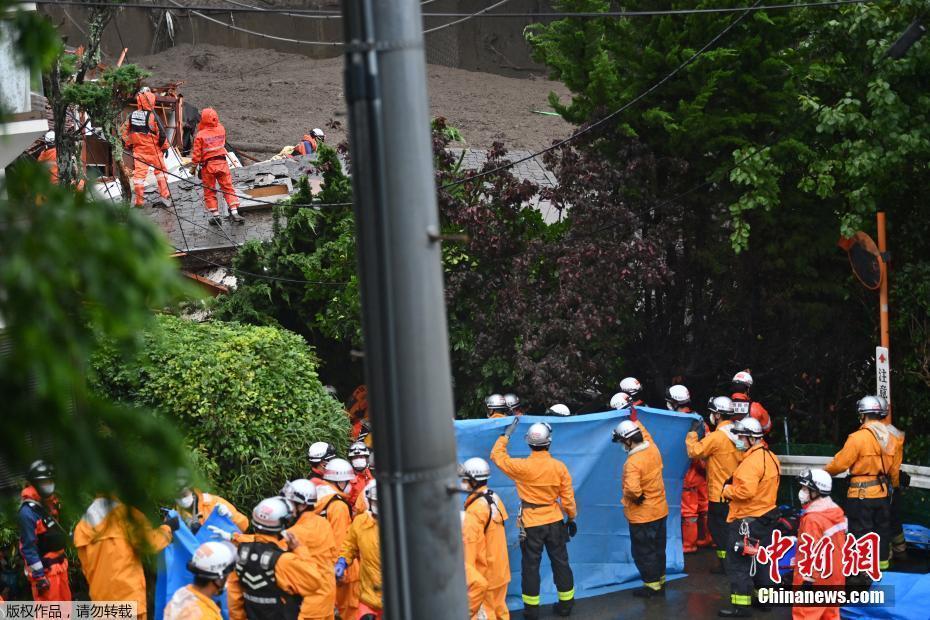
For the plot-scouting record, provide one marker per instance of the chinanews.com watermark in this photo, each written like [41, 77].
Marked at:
[826, 596]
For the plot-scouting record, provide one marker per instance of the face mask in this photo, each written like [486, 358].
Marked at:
[186, 501]
[804, 495]
[45, 488]
[465, 486]
[670, 405]
[741, 445]
[360, 463]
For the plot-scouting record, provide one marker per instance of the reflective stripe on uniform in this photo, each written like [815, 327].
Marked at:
[722, 554]
[884, 564]
[653, 585]
[842, 526]
[741, 599]
[565, 596]
[530, 600]
[662, 580]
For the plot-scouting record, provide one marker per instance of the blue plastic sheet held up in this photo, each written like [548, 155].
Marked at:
[600, 553]
[172, 561]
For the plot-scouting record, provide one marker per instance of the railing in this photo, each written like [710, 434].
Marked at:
[792, 465]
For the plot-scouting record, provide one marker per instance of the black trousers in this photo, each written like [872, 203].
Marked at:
[554, 538]
[717, 524]
[897, 529]
[871, 515]
[742, 583]
[647, 543]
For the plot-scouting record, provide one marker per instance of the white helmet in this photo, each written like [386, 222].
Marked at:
[559, 409]
[677, 396]
[871, 406]
[749, 427]
[320, 452]
[316, 132]
[338, 470]
[627, 429]
[332, 391]
[539, 435]
[512, 400]
[721, 405]
[475, 469]
[621, 401]
[743, 378]
[49, 137]
[495, 402]
[371, 496]
[213, 560]
[300, 491]
[631, 386]
[816, 479]
[271, 515]
[883, 401]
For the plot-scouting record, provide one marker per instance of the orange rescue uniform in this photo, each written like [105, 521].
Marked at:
[143, 134]
[314, 534]
[362, 543]
[207, 502]
[209, 151]
[333, 504]
[720, 455]
[642, 477]
[755, 484]
[822, 518]
[357, 486]
[868, 453]
[109, 539]
[189, 604]
[486, 551]
[49, 157]
[542, 481]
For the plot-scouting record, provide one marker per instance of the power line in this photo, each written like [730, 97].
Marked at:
[465, 18]
[262, 276]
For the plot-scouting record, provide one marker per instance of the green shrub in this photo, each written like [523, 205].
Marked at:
[247, 398]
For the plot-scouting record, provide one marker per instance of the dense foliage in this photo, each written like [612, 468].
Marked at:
[248, 399]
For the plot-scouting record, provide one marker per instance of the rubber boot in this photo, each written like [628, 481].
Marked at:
[689, 534]
[531, 612]
[737, 611]
[563, 608]
[235, 217]
[215, 219]
[704, 538]
[646, 592]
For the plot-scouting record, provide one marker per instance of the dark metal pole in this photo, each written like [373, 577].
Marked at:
[404, 318]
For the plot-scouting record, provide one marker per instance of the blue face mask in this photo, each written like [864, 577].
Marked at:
[740, 445]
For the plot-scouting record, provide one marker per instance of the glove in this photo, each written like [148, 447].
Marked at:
[220, 533]
[195, 527]
[696, 426]
[904, 481]
[171, 519]
[639, 500]
[223, 511]
[510, 429]
[43, 584]
[341, 566]
[571, 527]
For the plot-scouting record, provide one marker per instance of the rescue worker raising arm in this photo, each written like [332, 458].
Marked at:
[645, 507]
[110, 538]
[752, 516]
[545, 490]
[869, 455]
[722, 451]
[621, 401]
[363, 547]
[211, 565]
[209, 154]
[485, 539]
[269, 582]
[42, 540]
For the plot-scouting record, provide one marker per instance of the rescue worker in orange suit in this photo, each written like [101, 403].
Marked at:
[314, 534]
[194, 506]
[358, 455]
[110, 538]
[42, 540]
[49, 156]
[332, 502]
[545, 490]
[270, 582]
[319, 453]
[820, 518]
[362, 547]
[310, 143]
[211, 565]
[358, 410]
[144, 135]
[900, 482]
[721, 451]
[869, 454]
[485, 539]
[496, 406]
[753, 513]
[742, 403]
[645, 507]
[694, 488]
[209, 154]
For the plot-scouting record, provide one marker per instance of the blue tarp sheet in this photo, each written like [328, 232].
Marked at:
[908, 594]
[600, 553]
[172, 562]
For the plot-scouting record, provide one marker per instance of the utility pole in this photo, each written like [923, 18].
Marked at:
[885, 333]
[403, 308]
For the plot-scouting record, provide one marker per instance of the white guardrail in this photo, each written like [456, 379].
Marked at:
[792, 465]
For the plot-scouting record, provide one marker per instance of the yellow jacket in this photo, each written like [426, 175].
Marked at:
[295, 573]
[868, 453]
[329, 500]
[109, 539]
[541, 480]
[720, 453]
[642, 476]
[362, 543]
[314, 534]
[189, 604]
[206, 502]
[755, 484]
[485, 538]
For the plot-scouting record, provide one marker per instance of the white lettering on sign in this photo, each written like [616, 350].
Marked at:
[882, 373]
